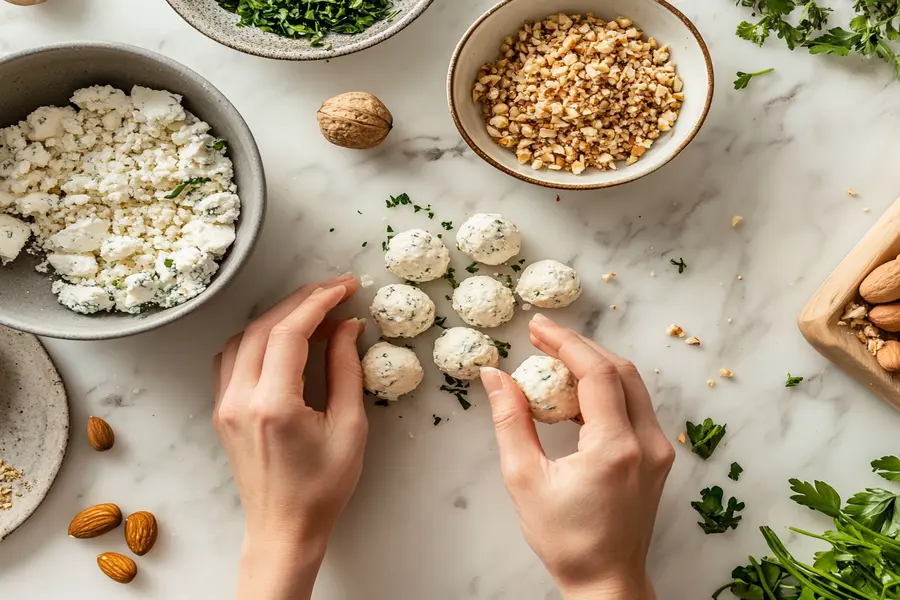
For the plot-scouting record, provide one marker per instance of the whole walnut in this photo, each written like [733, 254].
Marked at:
[355, 120]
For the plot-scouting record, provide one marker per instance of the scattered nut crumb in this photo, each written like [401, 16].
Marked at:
[652, 273]
[607, 277]
[852, 192]
[711, 383]
[656, 371]
[740, 277]
[366, 281]
[729, 320]
[692, 341]
[675, 331]
[726, 373]
[682, 437]
[612, 307]
[856, 317]
[866, 209]
[9, 474]
[736, 220]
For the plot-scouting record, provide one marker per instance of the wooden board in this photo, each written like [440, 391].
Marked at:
[819, 319]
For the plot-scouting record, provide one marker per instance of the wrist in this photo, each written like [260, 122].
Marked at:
[272, 568]
[620, 588]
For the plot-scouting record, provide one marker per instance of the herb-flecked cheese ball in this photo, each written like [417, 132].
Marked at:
[489, 238]
[416, 255]
[390, 371]
[483, 302]
[549, 284]
[402, 311]
[550, 387]
[460, 352]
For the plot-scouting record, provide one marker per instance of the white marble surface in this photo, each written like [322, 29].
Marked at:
[430, 518]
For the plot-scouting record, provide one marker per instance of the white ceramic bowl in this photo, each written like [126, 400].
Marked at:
[657, 18]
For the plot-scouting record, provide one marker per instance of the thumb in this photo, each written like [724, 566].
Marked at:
[520, 448]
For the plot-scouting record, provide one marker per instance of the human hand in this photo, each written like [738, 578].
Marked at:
[295, 468]
[588, 516]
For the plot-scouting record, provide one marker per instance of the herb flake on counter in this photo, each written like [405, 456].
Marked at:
[717, 518]
[734, 473]
[887, 467]
[705, 437]
[448, 225]
[679, 263]
[450, 277]
[792, 381]
[401, 200]
[311, 20]
[515, 268]
[364, 244]
[193, 182]
[458, 388]
[502, 348]
[390, 232]
[439, 322]
[743, 79]
[437, 420]
[331, 230]
[381, 403]
[473, 268]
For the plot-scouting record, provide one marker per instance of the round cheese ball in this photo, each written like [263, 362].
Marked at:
[489, 238]
[550, 388]
[416, 255]
[483, 302]
[549, 284]
[402, 311]
[390, 371]
[460, 352]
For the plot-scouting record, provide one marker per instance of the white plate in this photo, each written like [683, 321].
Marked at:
[34, 423]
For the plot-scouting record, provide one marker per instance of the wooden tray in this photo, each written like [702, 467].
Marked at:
[819, 319]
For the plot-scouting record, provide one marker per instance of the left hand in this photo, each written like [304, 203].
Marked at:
[295, 468]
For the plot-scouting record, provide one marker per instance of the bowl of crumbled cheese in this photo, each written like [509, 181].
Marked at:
[131, 191]
[595, 94]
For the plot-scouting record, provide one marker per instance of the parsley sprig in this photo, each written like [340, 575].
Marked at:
[716, 517]
[792, 381]
[193, 182]
[679, 263]
[743, 79]
[734, 473]
[705, 437]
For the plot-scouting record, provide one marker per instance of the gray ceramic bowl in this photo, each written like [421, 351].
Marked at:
[210, 19]
[48, 76]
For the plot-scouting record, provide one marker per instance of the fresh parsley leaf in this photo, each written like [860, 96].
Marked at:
[502, 348]
[792, 381]
[887, 467]
[743, 79]
[705, 437]
[193, 182]
[168, 262]
[761, 580]
[876, 509]
[219, 145]
[679, 263]
[716, 517]
[816, 496]
[473, 268]
[735, 472]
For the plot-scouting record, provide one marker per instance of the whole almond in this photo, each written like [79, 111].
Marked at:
[889, 356]
[100, 434]
[117, 567]
[883, 284]
[141, 531]
[886, 316]
[95, 521]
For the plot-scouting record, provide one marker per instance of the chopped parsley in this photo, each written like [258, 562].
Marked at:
[679, 263]
[743, 79]
[439, 322]
[458, 388]
[448, 225]
[331, 230]
[792, 381]
[887, 467]
[219, 145]
[437, 420]
[364, 244]
[402, 199]
[705, 437]
[473, 268]
[734, 473]
[451, 279]
[193, 182]
[381, 402]
[515, 268]
[168, 262]
[502, 348]
[390, 232]
[716, 517]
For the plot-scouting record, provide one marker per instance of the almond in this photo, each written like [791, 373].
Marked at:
[889, 356]
[886, 316]
[117, 567]
[883, 284]
[100, 434]
[95, 521]
[141, 531]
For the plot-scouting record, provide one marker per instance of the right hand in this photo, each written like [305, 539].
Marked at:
[588, 516]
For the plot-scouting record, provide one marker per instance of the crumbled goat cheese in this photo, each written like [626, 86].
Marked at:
[96, 187]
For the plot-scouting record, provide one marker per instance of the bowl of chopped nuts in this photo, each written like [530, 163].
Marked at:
[586, 98]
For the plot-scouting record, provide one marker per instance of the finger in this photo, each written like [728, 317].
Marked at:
[226, 368]
[521, 453]
[288, 346]
[217, 377]
[253, 347]
[600, 391]
[344, 374]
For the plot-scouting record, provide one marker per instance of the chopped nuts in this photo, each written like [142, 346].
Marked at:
[856, 318]
[682, 438]
[587, 92]
[852, 192]
[607, 277]
[736, 220]
[675, 331]
[711, 383]
[692, 341]
[8, 474]
[726, 373]
[612, 307]
[740, 277]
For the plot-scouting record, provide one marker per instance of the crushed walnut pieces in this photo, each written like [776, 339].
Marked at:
[856, 318]
[8, 474]
[572, 92]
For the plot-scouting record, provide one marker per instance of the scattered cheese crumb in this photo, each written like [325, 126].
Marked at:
[692, 341]
[652, 273]
[740, 277]
[866, 209]
[852, 192]
[736, 220]
[711, 383]
[729, 320]
[366, 281]
[675, 331]
[606, 277]
[526, 307]
[682, 437]
[726, 373]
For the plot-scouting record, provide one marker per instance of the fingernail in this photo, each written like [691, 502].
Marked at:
[539, 319]
[490, 379]
[347, 275]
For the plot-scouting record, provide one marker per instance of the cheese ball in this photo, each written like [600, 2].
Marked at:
[550, 388]
[390, 371]
[483, 302]
[402, 311]
[489, 238]
[549, 284]
[460, 352]
[416, 255]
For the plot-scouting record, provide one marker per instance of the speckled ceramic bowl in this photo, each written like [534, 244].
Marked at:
[210, 19]
[657, 18]
[48, 76]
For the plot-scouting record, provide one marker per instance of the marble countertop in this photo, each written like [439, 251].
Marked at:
[431, 518]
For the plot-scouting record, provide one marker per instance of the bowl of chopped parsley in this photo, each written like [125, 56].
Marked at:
[299, 29]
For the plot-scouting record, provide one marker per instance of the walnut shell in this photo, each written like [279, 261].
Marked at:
[355, 120]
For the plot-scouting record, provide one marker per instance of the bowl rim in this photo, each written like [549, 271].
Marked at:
[251, 229]
[310, 53]
[451, 74]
